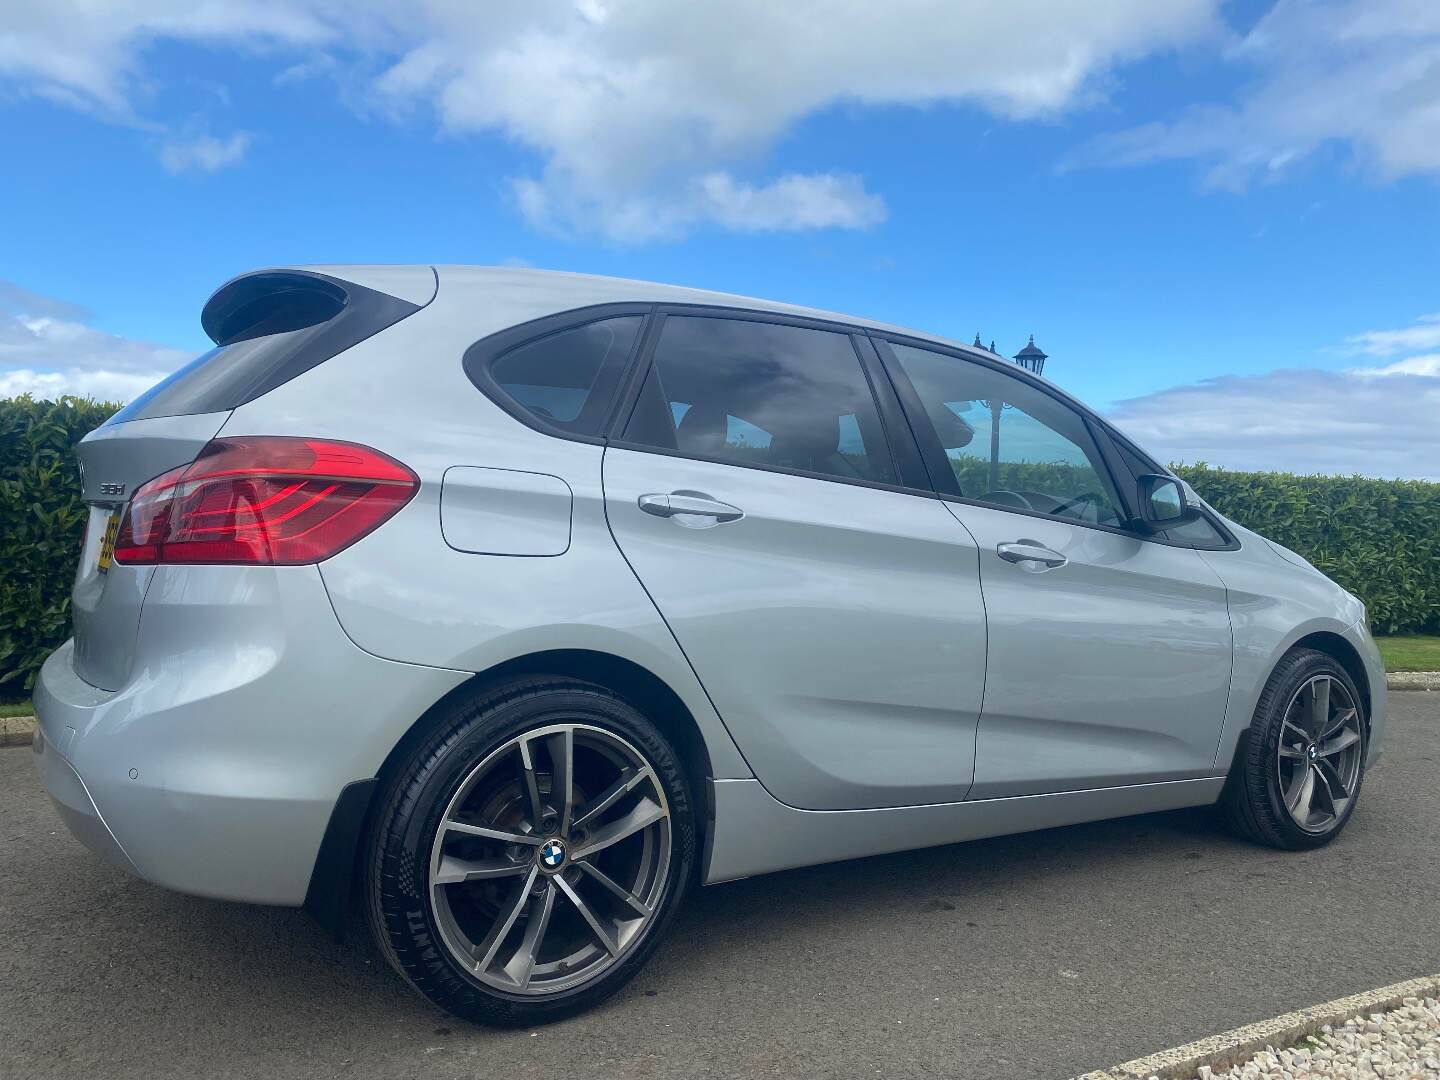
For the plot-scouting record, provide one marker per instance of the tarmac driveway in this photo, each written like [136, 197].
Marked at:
[1037, 956]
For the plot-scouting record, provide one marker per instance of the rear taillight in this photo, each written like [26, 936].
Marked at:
[263, 500]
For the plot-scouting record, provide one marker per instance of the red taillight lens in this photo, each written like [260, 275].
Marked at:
[263, 500]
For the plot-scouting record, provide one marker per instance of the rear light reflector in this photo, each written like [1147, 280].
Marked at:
[263, 500]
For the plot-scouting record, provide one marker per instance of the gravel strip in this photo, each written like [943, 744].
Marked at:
[1402, 1044]
[1228, 1055]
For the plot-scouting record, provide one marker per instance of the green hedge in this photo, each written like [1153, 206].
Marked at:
[1378, 538]
[42, 524]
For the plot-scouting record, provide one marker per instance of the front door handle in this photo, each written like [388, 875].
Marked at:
[1030, 551]
[694, 509]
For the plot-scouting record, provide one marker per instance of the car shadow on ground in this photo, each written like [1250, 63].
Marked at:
[278, 959]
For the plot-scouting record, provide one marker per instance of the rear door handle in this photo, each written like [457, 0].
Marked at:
[1030, 551]
[694, 509]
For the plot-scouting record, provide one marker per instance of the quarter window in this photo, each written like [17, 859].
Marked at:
[758, 393]
[1009, 444]
[567, 379]
[1200, 533]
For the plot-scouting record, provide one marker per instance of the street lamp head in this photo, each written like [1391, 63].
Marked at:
[1031, 357]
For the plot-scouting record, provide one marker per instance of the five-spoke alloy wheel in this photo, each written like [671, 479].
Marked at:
[1298, 770]
[529, 852]
[550, 858]
[1318, 753]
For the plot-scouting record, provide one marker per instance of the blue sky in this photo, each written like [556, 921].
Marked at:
[1221, 220]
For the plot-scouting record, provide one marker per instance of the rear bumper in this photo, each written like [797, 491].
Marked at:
[215, 769]
[76, 808]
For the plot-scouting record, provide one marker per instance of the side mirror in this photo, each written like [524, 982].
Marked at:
[1163, 504]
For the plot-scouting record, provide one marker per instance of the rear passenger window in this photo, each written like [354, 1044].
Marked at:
[756, 393]
[567, 379]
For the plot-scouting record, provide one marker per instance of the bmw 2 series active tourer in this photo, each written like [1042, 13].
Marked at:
[510, 605]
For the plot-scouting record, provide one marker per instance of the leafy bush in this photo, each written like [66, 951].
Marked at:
[1052, 477]
[42, 524]
[1378, 538]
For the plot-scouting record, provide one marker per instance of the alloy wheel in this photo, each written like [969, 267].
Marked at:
[551, 859]
[1318, 758]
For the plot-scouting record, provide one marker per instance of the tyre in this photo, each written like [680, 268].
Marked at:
[526, 858]
[1295, 782]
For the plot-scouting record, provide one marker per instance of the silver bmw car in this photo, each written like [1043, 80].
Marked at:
[505, 606]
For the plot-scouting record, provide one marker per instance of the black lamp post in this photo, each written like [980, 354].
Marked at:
[1031, 358]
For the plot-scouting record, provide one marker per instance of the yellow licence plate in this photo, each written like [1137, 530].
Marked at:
[107, 545]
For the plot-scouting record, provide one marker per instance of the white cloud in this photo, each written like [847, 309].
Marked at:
[1377, 421]
[1414, 365]
[1425, 334]
[636, 111]
[116, 386]
[203, 153]
[816, 201]
[791, 203]
[89, 53]
[1304, 421]
[1364, 74]
[640, 113]
[306, 70]
[48, 348]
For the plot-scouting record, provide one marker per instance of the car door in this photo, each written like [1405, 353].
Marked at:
[1109, 651]
[833, 616]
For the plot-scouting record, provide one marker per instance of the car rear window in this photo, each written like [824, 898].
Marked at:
[267, 328]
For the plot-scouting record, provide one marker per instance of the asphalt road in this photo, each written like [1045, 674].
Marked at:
[1037, 956]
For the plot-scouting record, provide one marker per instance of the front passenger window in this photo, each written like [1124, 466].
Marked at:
[1010, 444]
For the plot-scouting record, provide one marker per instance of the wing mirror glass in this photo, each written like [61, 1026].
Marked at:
[1163, 504]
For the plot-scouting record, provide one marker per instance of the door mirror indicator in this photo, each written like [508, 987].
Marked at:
[1163, 504]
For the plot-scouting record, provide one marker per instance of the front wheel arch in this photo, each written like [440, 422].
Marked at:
[1344, 654]
[1338, 649]
[1249, 803]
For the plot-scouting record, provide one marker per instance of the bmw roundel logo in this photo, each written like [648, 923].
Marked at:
[552, 854]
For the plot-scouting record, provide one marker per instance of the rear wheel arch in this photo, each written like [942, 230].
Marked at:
[337, 865]
[638, 685]
[431, 798]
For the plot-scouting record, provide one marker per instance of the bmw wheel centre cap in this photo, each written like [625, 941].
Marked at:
[552, 854]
